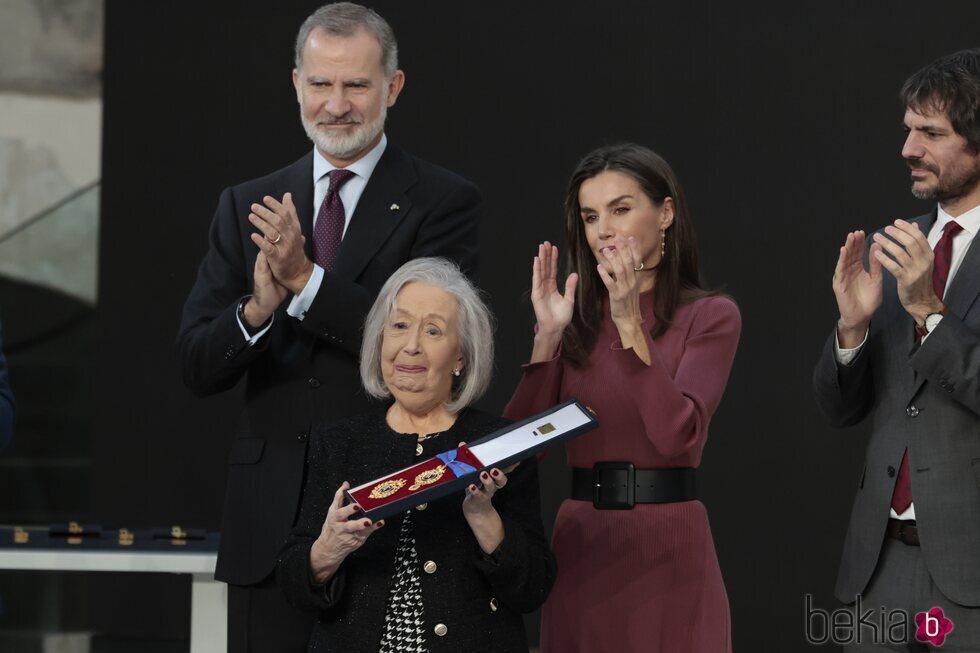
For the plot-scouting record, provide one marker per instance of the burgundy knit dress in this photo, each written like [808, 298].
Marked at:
[645, 579]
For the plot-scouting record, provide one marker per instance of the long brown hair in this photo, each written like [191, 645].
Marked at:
[678, 279]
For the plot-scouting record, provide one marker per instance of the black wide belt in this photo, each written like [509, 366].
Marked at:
[904, 530]
[619, 486]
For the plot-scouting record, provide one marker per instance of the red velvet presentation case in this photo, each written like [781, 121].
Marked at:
[453, 470]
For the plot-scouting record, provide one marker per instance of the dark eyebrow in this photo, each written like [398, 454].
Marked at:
[928, 127]
[612, 202]
[619, 199]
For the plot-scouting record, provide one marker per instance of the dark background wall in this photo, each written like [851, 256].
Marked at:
[782, 121]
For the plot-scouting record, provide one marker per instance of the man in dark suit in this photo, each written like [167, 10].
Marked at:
[295, 261]
[6, 403]
[906, 352]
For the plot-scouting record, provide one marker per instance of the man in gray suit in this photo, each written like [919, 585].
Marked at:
[906, 352]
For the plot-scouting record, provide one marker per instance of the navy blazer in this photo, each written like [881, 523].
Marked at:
[304, 373]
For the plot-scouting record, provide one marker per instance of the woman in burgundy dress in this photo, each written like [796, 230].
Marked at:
[649, 350]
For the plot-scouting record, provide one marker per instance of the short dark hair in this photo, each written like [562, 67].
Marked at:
[950, 85]
[678, 278]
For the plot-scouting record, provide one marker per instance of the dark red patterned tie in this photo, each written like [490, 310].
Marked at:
[902, 496]
[329, 229]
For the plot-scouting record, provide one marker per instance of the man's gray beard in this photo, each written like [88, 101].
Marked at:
[345, 146]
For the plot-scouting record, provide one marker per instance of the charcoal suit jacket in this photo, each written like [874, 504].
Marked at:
[926, 398]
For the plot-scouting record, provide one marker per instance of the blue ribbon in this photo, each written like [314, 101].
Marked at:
[457, 467]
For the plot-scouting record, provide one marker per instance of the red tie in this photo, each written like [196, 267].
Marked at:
[902, 496]
[329, 228]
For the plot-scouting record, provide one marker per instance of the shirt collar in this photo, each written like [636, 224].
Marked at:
[970, 221]
[363, 167]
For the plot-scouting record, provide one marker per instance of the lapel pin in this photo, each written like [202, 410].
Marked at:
[393, 207]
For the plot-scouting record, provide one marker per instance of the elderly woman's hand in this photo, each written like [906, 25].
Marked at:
[480, 513]
[339, 537]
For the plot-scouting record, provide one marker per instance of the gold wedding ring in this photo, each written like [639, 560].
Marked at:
[274, 240]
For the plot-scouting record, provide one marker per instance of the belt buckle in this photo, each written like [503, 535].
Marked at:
[613, 486]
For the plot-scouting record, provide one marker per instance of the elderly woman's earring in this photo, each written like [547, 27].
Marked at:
[456, 372]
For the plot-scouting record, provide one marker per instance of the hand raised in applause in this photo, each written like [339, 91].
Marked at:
[911, 262]
[552, 309]
[339, 537]
[267, 294]
[281, 240]
[622, 281]
[858, 291]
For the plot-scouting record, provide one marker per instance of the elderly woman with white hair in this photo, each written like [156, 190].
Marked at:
[454, 575]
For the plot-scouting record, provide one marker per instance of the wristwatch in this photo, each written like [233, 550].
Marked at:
[932, 321]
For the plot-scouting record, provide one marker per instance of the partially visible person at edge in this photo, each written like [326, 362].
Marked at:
[636, 338]
[441, 576]
[906, 352]
[6, 403]
[295, 261]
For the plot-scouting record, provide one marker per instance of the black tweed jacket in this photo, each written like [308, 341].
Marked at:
[475, 600]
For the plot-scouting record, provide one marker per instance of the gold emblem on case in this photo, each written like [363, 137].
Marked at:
[21, 536]
[427, 477]
[125, 537]
[544, 429]
[387, 488]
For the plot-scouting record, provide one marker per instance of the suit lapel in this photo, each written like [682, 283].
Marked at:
[382, 207]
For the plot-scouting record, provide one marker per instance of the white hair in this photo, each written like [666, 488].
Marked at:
[474, 324]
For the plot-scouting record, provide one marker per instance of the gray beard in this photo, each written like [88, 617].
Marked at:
[345, 147]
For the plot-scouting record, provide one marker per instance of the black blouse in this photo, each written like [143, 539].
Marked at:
[473, 602]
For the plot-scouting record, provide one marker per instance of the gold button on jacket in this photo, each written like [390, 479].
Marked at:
[430, 567]
[441, 629]
[422, 506]
[493, 605]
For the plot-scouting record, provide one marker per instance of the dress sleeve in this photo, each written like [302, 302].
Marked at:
[676, 410]
[538, 390]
